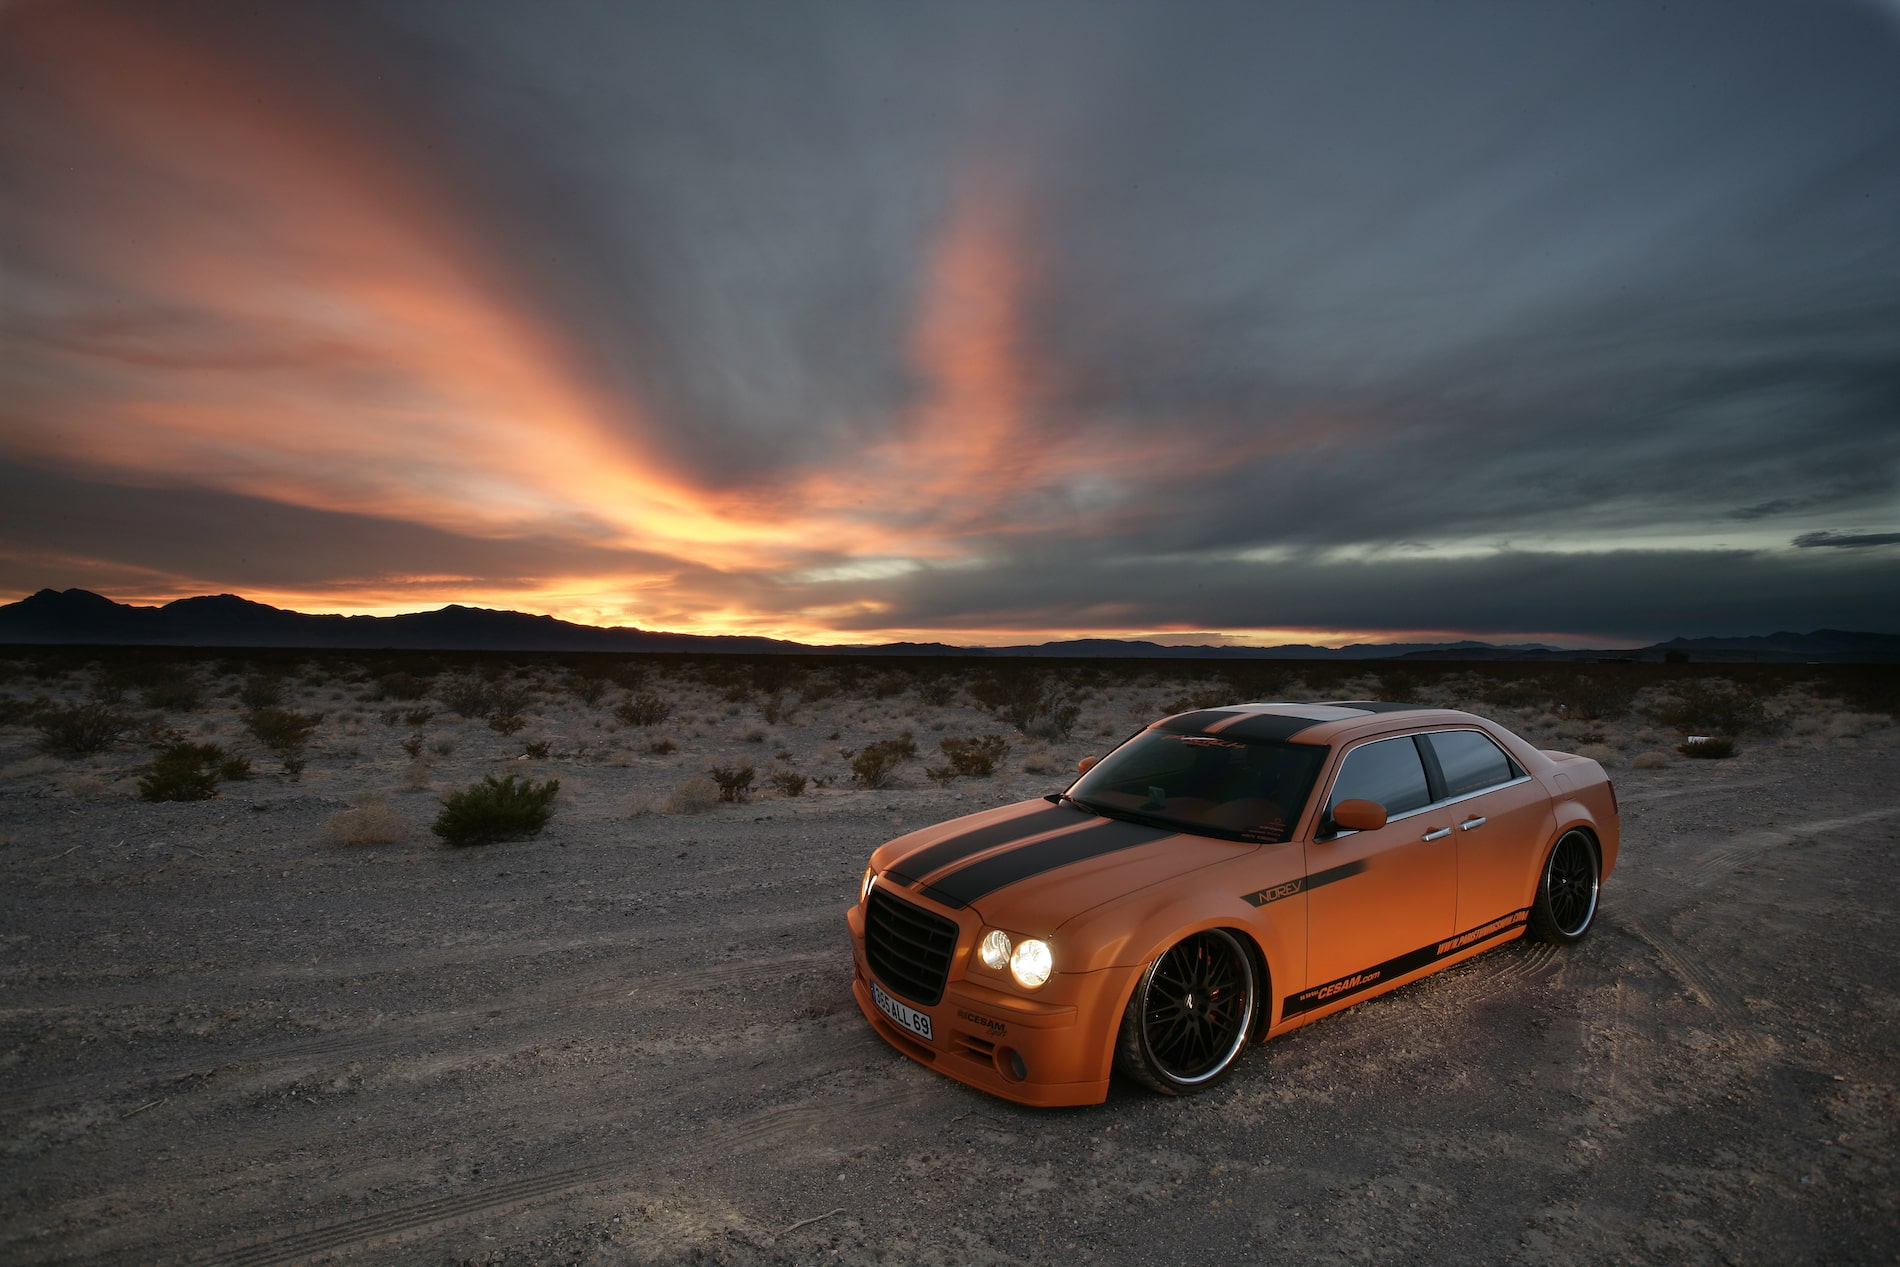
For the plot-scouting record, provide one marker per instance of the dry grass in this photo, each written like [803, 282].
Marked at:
[695, 796]
[1654, 759]
[372, 822]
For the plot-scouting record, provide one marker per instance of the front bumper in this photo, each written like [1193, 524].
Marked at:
[1046, 1052]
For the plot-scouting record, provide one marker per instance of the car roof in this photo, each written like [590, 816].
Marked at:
[1314, 723]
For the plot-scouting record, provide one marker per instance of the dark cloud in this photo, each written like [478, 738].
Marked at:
[192, 536]
[1846, 540]
[1577, 303]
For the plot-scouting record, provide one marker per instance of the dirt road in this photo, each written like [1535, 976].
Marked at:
[632, 1041]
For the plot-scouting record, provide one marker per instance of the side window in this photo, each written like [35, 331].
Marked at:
[1388, 772]
[1471, 762]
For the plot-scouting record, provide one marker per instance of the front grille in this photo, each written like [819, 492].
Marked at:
[909, 947]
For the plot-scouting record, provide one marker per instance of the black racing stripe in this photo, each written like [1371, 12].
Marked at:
[1377, 706]
[957, 848]
[1341, 872]
[1292, 887]
[960, 888]
[1263, 726]
[1411, 961]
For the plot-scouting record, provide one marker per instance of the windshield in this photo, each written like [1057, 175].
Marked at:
[1238, 789]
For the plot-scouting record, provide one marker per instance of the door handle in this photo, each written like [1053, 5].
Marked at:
[1470, 823]
[1438, 834]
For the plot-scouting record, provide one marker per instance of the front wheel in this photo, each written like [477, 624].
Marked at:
[1189, 1017]
[1566, 901]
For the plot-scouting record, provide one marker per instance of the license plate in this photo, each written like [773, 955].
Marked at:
[909, 1017]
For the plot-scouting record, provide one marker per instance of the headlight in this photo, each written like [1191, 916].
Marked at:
[864, 885]
[994, 950]
[1031, 964]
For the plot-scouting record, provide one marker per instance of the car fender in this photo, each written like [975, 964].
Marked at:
[1580, 798]
[1127, 936]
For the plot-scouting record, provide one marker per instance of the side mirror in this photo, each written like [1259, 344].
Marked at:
[1357, 815]
[1086, 764]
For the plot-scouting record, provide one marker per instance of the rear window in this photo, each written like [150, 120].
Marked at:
[1471, 762]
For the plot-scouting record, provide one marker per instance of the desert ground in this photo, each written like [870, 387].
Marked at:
[286, 1024]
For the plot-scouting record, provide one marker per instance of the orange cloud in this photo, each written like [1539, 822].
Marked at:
[290, 309]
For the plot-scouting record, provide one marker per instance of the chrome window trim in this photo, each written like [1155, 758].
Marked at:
[1423, 809]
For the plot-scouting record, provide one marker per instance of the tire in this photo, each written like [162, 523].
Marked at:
[1566, 901]
[1191, 1014]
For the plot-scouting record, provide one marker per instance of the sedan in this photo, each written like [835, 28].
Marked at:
[1223, 876]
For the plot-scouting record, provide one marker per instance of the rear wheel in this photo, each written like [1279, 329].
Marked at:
[1189, 1017]
[1566, 902]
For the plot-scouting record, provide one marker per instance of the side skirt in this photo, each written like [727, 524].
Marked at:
[1323, 1000]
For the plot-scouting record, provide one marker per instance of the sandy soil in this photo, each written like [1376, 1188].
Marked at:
[227, 1039]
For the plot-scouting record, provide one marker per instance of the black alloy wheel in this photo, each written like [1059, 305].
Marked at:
[1190, 1015]
[1566, 902]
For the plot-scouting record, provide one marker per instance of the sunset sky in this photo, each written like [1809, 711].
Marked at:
[976, 323]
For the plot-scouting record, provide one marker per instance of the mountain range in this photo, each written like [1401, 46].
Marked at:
[81, 617]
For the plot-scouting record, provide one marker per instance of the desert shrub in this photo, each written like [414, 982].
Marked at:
[754, 734]
[587, 689]
[261, 690]
[789, 782]
[941, 775]
[418, 717]
[1595, 698]
[496, 809]
[285, 733]
[1655, 759]
[644, 709]
[14, 710]
[1871, 690]
[182, 772]
[537, 749]
[80, 730]
[1040, 763]
[773, 709]
[735, 783]
[661, 747]
[235, 769]
[938, 691]
[695, 796]
[1214, 695]
[975, 758]
[467, 696]
[174, 693]
[280, 729]
[1712, 706]
[371, 823]
[1534, 693]
[413, 745]
[401, 686]
[506, 723]
[508, 699]
[876, 766]
[1715, 746]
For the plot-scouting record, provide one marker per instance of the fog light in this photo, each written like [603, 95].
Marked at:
[1010, 1063]
[994, 950]
[1031, 964]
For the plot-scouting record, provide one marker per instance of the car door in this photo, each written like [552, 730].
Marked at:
[1373, 896]
[1503, 820]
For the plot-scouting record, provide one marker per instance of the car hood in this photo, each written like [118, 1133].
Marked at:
[1031, 866]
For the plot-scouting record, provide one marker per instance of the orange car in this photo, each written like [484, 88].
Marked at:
[1224, 875]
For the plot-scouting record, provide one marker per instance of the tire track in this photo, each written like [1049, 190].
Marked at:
[770, 1126]
[339, 1047]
